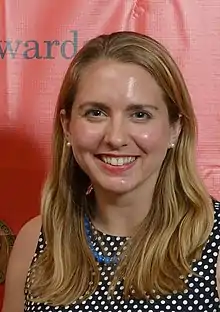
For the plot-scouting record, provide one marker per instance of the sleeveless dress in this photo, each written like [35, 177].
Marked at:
[201, 294]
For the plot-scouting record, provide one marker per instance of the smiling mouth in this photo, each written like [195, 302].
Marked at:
[117, 161]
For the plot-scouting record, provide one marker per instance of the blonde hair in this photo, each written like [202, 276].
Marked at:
[159, 255]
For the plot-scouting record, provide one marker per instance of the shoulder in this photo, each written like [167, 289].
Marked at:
[216, 205]
[32, 227]
[27, 239]
[25, 243]
[19, 263]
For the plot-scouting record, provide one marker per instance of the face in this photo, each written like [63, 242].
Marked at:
[119, 127]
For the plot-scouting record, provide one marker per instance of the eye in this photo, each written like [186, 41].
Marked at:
[94, 113]
[141, 115]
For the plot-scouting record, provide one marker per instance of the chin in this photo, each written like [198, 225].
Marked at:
[120, 188]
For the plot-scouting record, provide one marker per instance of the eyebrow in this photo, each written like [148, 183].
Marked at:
[130, 107]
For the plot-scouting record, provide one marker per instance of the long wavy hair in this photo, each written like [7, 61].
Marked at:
[159, 256]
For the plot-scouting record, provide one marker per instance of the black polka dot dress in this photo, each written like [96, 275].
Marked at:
[201, 294]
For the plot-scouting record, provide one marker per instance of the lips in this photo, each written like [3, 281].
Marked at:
[117, 160]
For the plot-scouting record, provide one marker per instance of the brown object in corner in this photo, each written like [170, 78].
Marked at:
[7, 239]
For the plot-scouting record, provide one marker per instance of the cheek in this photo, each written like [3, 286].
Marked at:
[85, 135]
[152, 137]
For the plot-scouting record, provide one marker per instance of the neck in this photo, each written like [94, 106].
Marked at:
[120, 214]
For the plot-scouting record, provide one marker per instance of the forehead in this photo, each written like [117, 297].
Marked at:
[115, 81]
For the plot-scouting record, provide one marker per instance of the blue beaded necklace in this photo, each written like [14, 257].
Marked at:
[101, 259]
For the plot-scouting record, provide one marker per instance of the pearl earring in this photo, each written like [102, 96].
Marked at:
[68, 144]
[172, 145]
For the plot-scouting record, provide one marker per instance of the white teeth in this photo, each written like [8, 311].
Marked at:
[118, 161]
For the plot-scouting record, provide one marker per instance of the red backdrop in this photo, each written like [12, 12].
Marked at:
[37, 41]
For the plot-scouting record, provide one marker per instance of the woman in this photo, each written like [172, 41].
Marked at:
[126, 223]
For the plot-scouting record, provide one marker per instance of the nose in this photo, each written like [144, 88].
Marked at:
[116, 134]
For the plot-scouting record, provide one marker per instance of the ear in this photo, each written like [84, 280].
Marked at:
[175, 130]
[65, 124]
